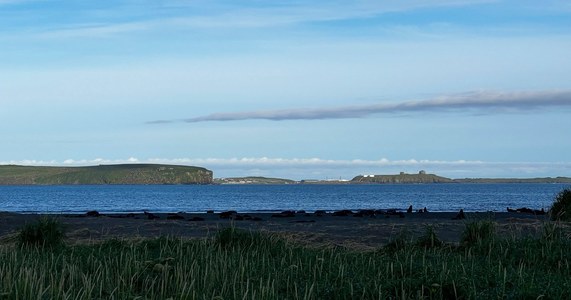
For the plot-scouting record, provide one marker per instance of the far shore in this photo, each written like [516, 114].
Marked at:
[365, 232]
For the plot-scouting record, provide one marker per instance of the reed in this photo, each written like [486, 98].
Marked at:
[251, 265]
[561, 207]
[46, 232]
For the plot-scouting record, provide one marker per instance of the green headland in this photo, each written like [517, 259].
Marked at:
[105, 174]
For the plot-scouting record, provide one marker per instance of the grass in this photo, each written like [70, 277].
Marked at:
[46, 232]
[561, 207]
[429, 239]
[478, 232]
[250, 265]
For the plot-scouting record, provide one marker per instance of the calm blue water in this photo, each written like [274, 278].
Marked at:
[248, 198]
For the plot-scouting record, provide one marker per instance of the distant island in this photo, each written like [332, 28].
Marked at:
[253, 180]
[423, 177]
[104, 174]
[402, 178]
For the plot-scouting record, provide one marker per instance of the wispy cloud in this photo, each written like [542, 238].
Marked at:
[261, 162]
[96, 30]
[475, 102]
[70, 162]
[306, 162]
[213, 15]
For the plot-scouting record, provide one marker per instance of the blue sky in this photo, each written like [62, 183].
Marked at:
[297, 89]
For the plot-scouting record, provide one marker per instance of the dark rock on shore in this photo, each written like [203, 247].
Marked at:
[175, 217]
[526, 210]
[122, 216]
[151, 216]
[92, 213]
[367, 212]
[227, 214]
[342, 213]
[284, 214]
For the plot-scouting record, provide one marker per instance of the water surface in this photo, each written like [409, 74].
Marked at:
[249, 198]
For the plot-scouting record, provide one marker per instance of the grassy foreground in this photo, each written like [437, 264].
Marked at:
[244, 265]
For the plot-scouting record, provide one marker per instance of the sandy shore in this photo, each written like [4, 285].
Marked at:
[362, 232]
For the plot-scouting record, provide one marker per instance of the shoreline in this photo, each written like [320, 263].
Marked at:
[349, 231]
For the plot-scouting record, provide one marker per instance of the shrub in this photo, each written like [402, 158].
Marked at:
[398, 243]
[45, 232]
[561, 207]
[429, 239]
[478, 232]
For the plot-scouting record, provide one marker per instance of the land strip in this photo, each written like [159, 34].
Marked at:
[361, 232]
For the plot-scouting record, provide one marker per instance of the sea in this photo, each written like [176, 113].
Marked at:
[274, 198]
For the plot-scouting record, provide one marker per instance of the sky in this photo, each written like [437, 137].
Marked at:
[293, 89]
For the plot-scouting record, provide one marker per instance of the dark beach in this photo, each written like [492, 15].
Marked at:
[351, 231]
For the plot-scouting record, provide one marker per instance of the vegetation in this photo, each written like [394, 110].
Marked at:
[247, 265]
[429, 239]
[105, 174]
[46, 232]
[561, 207]
[478, 233]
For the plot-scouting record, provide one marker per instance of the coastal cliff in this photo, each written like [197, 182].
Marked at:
[104, 174]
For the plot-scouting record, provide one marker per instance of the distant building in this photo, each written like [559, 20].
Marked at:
[422, 172]
[402, 173]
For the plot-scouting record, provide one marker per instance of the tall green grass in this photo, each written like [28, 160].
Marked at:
[249, 265]
[45, 232]
[561, 207]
